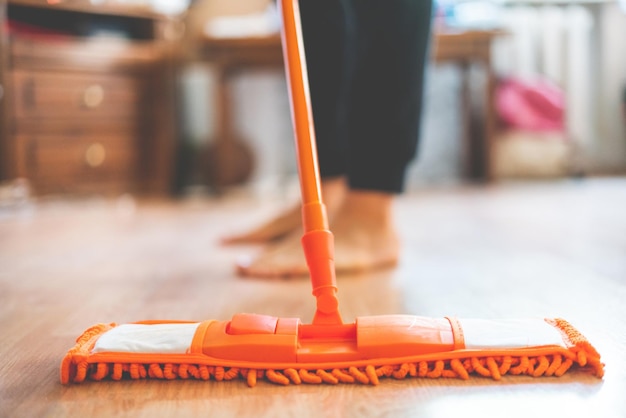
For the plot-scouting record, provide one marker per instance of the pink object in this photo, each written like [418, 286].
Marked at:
[531, 105]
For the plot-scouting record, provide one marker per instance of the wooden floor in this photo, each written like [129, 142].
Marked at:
[509, 251]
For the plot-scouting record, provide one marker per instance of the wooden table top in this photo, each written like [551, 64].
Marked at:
[448, 45]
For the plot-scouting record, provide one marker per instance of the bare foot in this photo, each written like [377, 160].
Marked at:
[273, 229]
[365, 239]
[333, 192]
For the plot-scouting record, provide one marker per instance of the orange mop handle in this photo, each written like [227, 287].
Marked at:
[317, 241]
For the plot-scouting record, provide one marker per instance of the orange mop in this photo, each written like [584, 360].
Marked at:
[285, 350]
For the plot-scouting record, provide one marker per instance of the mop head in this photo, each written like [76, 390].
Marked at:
[284, 351]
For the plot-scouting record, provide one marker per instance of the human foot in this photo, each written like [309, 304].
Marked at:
[333, 192]
[271, 230]
[365, 239]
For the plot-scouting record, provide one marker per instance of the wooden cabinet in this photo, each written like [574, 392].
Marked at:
[88, 103]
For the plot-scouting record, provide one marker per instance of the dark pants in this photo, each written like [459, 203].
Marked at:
[365, 62]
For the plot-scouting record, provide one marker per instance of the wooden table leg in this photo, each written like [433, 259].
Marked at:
[481, 125]
[467, 134]
[230, 160]
[489, 117]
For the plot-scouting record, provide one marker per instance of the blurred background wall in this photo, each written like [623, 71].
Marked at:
[577, 45]
[560, 63]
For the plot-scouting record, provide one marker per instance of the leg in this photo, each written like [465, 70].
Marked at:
[290, 221]
[386, 91]
[384, 104]
[357, 248]
[326, 31]
[384, 119]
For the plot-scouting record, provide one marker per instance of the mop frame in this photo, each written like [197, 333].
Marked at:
[264, 357]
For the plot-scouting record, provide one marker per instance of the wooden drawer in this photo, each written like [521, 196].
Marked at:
[89, 54]
[126, 127]
[59, 163]
[75, 95]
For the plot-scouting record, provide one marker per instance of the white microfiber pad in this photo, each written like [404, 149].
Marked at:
[143, 338]
[509, 333]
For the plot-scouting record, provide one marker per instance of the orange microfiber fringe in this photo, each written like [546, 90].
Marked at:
[79, 365]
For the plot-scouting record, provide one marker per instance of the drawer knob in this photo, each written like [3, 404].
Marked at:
[93, 96]
[95, 155]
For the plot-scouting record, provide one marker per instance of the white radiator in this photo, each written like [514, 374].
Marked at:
[554, 42]
[581, 48]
